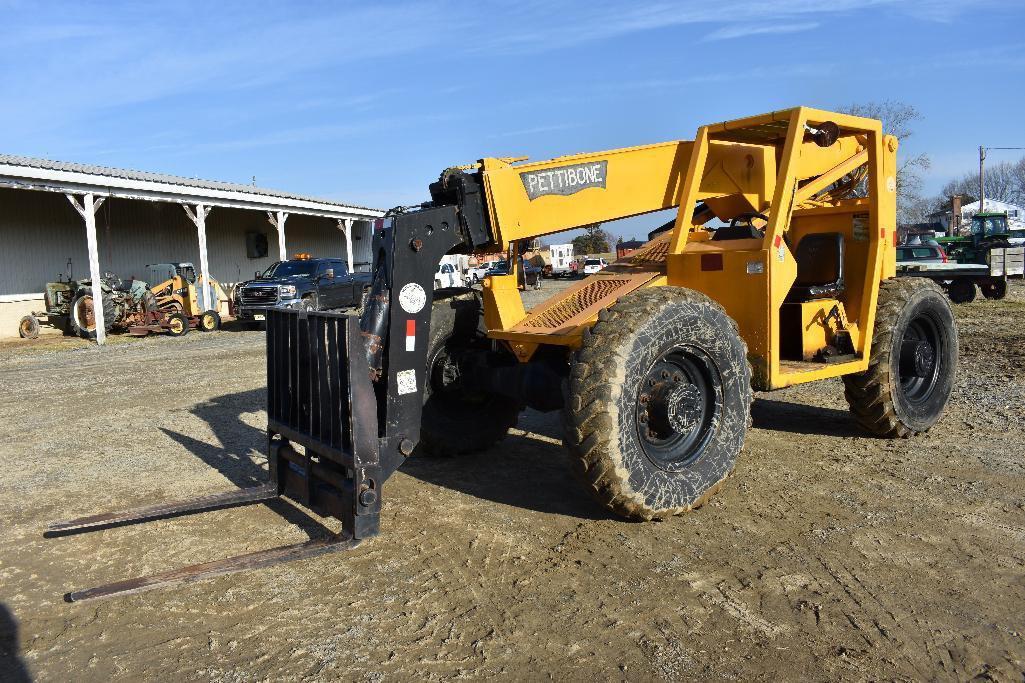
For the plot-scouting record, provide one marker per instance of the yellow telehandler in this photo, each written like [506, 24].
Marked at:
[778, 269]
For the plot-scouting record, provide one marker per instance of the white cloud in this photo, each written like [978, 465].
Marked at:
[742, 30]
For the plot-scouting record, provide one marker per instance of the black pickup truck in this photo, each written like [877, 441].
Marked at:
[314, 284]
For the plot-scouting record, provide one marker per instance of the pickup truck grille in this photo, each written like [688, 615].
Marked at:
[259, 296]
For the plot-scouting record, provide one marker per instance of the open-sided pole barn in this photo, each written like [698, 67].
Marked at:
[55, 216]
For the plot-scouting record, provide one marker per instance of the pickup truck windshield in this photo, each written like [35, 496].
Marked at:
[291, 269]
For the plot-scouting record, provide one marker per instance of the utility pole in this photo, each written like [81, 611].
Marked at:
[982, 174]
[982, 179]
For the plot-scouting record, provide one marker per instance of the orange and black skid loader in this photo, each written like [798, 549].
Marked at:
[778, 269]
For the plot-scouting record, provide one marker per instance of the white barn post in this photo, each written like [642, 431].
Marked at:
[278, 221]
[345, 225]
[87, 210]
[199, 219]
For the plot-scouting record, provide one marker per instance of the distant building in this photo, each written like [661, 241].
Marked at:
[628, 247]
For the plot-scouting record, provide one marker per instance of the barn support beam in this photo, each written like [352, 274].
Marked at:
[198, 216]
[345, 225]
[277, 219]
[87, 208]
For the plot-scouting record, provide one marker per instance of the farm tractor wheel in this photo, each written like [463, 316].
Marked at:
[28, 328]
[210, 321]
[912, 363]
[995, 290]
[658, 403]
[82, 318]
[457, 418]
[177, 325]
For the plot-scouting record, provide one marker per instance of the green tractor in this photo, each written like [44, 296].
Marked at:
[987, 231]
[69, 306]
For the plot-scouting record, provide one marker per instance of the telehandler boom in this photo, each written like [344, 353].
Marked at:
[777, 270]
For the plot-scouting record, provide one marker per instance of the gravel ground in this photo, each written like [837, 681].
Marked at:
[828, 555]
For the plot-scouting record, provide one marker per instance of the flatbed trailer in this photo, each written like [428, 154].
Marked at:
[959, 280]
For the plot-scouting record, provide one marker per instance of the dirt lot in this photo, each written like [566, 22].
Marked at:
[828, 554]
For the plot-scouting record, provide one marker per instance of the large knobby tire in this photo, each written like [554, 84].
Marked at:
[81, 319]
[912, 363]
[457, 418]
[658, 402]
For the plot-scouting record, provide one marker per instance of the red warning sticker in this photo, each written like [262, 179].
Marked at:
[410, 335]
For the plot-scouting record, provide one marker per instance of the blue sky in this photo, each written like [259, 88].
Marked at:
[368, 101]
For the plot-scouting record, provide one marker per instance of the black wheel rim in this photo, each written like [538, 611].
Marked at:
[677, 408]
[919, 361]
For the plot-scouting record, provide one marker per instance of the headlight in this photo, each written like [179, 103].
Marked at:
[287, 291]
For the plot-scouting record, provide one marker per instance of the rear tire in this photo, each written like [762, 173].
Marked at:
[210, 321]
[961, 291]
[906, 387]
[995, 290]
[456, 419]
[658, 403]
[80, 317]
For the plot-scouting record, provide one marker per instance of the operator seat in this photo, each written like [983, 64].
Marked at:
[820, 273]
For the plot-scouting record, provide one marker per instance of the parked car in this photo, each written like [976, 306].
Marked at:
[447, 276]
[313, 284]
[477, 273]
[593, 265]
[920, 253]
[498, 268]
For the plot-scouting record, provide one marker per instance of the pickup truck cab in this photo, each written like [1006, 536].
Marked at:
[313, 284]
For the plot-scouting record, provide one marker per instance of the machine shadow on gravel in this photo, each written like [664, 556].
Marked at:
[800, 418]
[521, 471]
[238, 440]
[12, 668]
[496, 475]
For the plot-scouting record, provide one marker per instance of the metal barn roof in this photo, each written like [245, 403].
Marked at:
[62, 176]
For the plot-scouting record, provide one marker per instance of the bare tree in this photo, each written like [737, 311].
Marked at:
[1005, 182]
[898, 120]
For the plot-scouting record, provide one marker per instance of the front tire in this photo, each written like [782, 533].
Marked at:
[912, 364]
[456, 418]
[28, 328]
[658, 403]
[177, 325]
